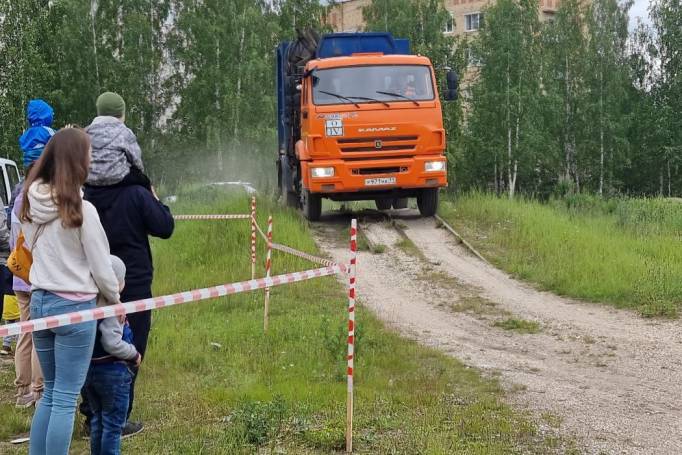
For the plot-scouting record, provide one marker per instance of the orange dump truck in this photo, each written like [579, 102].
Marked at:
[359, 119]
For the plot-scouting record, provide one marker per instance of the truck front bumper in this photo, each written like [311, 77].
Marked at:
[400, 176]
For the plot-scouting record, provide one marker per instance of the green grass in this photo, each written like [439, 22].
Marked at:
[408, 247]
[622, 252]
[518, 325]
[214, 383]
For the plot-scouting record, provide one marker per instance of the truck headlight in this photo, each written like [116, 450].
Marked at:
[434, 166]
[321, 172]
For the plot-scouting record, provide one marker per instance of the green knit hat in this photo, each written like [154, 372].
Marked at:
[111, 104]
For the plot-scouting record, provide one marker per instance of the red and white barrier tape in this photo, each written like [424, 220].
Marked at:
[212, 217]
[164, 301]
[302, 255]
[297, 253]
[257, 228]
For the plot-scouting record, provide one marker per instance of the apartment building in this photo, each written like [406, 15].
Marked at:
[467, 15]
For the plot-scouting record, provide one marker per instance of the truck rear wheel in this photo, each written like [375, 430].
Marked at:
[312, 205]
[383, 204]
[400, 203]
[427, 201]
[287, 197]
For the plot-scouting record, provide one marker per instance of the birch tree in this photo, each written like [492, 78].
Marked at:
[667, 90]
[506, 97]
[608, 81]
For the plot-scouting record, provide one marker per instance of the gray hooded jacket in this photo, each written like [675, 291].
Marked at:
[114, 151]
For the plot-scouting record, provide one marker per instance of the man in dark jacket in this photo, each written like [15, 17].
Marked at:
[129, 214]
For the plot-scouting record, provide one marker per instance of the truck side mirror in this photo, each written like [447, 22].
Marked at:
[452, 85]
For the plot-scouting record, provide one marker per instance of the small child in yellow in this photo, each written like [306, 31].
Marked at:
[10, 314]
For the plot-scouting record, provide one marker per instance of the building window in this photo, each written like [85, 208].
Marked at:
[473, 21]
[450, 24]
[473, 58]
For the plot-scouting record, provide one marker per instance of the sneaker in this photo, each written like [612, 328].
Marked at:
[25, 401]
[131, 429]
[6, 350]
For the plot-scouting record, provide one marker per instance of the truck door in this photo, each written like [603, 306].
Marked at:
[5, 191]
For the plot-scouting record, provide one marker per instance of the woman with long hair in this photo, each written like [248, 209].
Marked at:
[71, 265]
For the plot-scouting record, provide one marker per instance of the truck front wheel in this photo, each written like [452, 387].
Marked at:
[427, 201]
[311, 204]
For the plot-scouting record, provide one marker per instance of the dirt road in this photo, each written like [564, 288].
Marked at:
[605, 377]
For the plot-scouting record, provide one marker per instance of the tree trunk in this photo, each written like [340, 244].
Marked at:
[509, 132]
[217, 94]
[512, 183]
[512, 186]
[601, 133]
[93, 15]
[567, 135]
[235, 130]
[669, 184]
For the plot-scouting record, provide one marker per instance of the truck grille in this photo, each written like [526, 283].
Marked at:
[378, 144]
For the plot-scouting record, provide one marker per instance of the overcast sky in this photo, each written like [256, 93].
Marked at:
[639, 9]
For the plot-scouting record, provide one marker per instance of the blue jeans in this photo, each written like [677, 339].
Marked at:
[64, 354]
[108, 391]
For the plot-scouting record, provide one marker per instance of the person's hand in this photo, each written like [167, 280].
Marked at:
[138, 360]
[121, 318]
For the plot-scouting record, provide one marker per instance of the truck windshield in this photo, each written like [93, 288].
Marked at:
[372, 84]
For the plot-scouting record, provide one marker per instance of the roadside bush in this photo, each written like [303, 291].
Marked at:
[261, 422]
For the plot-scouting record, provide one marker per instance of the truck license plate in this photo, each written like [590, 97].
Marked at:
[380, 181]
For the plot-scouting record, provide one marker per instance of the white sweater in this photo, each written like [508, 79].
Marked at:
[68, 259]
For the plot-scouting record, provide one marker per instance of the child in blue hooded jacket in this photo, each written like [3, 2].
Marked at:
[39, 115]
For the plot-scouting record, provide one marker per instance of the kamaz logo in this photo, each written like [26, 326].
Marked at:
[378, 144]
[377, 130]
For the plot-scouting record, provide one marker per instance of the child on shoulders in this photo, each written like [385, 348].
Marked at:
[116, 155]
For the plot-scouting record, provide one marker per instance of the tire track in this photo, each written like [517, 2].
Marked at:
[611, 377]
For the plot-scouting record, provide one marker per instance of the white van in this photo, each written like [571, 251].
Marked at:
[10, 179]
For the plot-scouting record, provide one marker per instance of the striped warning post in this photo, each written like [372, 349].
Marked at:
[212, 217]
[164, 301]
[253, 237]
[351, 333]
[268, 266]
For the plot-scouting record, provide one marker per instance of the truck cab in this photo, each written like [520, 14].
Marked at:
[369, 127]
[10, 178]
